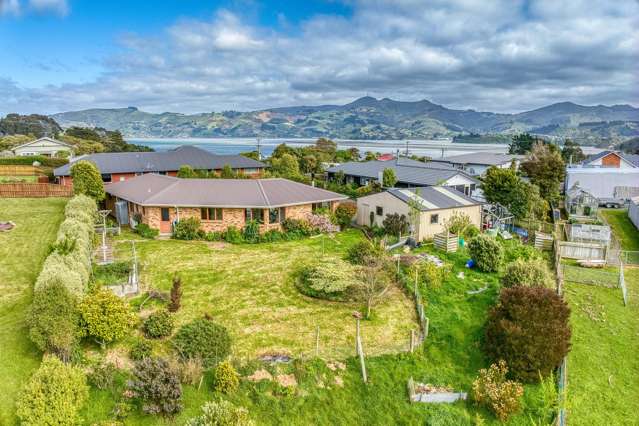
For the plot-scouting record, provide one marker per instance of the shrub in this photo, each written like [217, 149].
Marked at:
[203, 338]
[516, 250]
[226, 378]
[395, 224]
[458, 223]
[272, 236]
[328, 279]
[528, 329]
[105, 316]
[213, 236]
[221, 413]
[176, 294]
[493, 391]
[145, 231]
[187, 229]
[190, 370]
[344, 213]
[363, 251]
[527, 273]
[55, 270]
[157, 386]
[141, 349]
[321, 223]
[53, 319]
[251, 232]
[87, 180]
[54, 395]
[103, 375]
[486, 252]
[232, 235]
[429, 273]
[297, 225]
[158, 324]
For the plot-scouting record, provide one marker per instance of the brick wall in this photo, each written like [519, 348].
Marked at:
[298, 212]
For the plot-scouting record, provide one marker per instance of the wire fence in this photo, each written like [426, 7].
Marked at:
[591, 276]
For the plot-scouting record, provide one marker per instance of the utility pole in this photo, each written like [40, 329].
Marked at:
[104, 214]
[259, 151]
[406, 148]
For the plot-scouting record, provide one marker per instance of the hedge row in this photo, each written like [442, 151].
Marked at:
[70, 260]
[27, 161]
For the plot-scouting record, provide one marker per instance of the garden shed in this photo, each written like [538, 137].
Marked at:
[587, 233]
[581, 203]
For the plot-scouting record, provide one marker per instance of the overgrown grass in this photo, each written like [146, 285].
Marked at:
[623, 228]
[22, 251]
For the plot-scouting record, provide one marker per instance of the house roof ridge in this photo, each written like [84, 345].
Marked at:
[259, 185]
[176, 181]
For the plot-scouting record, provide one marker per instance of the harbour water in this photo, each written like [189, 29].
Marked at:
[434, 148]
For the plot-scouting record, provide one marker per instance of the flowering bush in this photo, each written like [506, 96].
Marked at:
[493, 391]
[321, 223]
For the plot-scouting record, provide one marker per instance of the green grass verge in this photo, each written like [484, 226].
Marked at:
[623, 228]
[22, 251]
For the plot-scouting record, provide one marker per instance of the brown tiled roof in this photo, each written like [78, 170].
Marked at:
[159, 190]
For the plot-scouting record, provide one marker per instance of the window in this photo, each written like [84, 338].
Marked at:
[253, 214]
[164, 212]
[162, 173]
[122, 179]
[434, 218]
[276, 215]
[106, 177]
[211, 214]
[379, 210]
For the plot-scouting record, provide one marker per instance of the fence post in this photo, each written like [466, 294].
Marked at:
[360, 350]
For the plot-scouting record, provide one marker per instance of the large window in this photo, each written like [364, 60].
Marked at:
[320, 206]
[211, 214]
[276, 215]
[254, 214]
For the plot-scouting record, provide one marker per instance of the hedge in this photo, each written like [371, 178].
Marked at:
[27, 161]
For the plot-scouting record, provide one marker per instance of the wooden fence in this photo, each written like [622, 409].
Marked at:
[20, 170]
[586, 251]
[34, 190]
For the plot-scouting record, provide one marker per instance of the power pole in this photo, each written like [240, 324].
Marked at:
[259, 152]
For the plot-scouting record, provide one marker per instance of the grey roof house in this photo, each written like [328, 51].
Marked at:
[477, 163]
[119, 166]
[409, 173]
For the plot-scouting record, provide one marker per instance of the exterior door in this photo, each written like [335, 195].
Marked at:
[165, 221]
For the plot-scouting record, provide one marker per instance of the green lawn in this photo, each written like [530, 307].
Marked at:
[16, 179]
[248, 288]
[623, 228]
[22, 251]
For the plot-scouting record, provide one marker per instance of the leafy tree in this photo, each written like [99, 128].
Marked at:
[326, 145]
[87, 180]
[528, 329]
[545, 168]
[360, 253]
[227, 172]
[308, 164]
[34, 124]
[282, 149]
[493, 391]
[203, 338]
[523, 143]
[344, 213]
[158, 324]
[458, 223]
[157, 386]
[395, 224]
[253, 155]
[83, 133]
[105, 316]
[328, 279]
[522, 199]
[221, 413]
[176, 294]
[487, 253]
[370, 156]
[54, 395]
[286, 166]
[533, 272]
[186, 172]
[226, 378]
[571, 152]
[340, 177]
[389, 179]
[53, 319]
[374, 282]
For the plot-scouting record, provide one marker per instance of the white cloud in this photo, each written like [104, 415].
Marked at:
[59, 7]
[499, 56]
[9, 7]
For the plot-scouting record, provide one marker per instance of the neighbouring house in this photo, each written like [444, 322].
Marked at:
[218, 203]
[477, 163]
[581, 204]
[409, 173]
[436, 205]
[47, 147]
[633, 211]
[120, 166]
[607, 175]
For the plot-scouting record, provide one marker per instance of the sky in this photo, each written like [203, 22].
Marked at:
[199, 56]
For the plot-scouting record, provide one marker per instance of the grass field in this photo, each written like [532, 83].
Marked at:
[247, 288]
[22, 251]
[623, 228]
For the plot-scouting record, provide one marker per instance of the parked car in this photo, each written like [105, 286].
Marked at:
[611, 203]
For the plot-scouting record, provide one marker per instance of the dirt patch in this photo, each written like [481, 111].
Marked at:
[339, 382]
[336, 365]
[260, 375]
[119, 357]
[286, 380]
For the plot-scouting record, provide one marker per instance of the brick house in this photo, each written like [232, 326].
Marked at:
[120, 166]
[218, 203]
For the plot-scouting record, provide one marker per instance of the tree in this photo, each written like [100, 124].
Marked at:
[344, 213]
[545, 168]
[221, 413]
[329, 279]
[374, 282]
[176, 294]
[572, 153]
[286, 166]
[533, 272]
[157, 385]
[522, 199]
[227, 172]
[340, 177]
[87, 180]
[53, 320]
[282, 149]
[458, 223]
[487, 253]
[308, 164]
[226, 378]
[253, 155]
[105, 316]
[186, 172]
[389, 179]
[361, 252]
[54, 395]
[326, 145]
[528, 329]
[523, 143]
[395, 224]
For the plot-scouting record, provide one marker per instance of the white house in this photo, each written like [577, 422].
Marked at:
[46, 147]
[436, 205]
[608, 174]
[477, 163]
[633, 211]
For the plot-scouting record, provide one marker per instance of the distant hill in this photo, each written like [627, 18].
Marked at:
[369, 118]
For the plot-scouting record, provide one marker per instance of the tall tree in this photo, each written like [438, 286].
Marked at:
[571, 152]
[389, 179]
[87, 180]
[523, 143]
[545, 168]
[522, 199]
[286, 166]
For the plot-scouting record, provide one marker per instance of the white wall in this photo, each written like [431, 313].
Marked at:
[43, 147]
[633, 211]
[601, 182]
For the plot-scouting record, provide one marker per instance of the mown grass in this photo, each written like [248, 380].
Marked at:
[623, 228]
[213, 276]
[22, 251]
